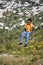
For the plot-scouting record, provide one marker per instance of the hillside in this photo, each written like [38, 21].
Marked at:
[9, 45]
[13, 16]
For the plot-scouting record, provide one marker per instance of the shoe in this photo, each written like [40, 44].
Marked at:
[20, 43]
[25, 45]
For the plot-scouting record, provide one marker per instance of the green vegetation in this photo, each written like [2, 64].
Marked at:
[9, 44]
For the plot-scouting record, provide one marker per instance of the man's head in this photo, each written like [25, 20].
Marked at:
[29, 20]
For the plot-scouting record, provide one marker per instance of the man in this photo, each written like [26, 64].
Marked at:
[27, 32]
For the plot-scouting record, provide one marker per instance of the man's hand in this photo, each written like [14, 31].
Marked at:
[36, 27]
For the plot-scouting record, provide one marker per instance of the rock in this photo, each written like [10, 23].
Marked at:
[41, 25]
[6, 28]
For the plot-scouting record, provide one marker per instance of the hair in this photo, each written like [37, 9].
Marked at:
[30, 19]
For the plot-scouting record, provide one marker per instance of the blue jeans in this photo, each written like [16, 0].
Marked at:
[27, 34]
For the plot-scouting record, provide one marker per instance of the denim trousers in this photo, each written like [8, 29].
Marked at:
[27, 34]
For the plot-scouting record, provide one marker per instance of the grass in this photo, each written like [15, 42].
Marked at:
[22, 56]
[9, 44]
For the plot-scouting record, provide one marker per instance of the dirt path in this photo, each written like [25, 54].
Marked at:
[13, 59]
